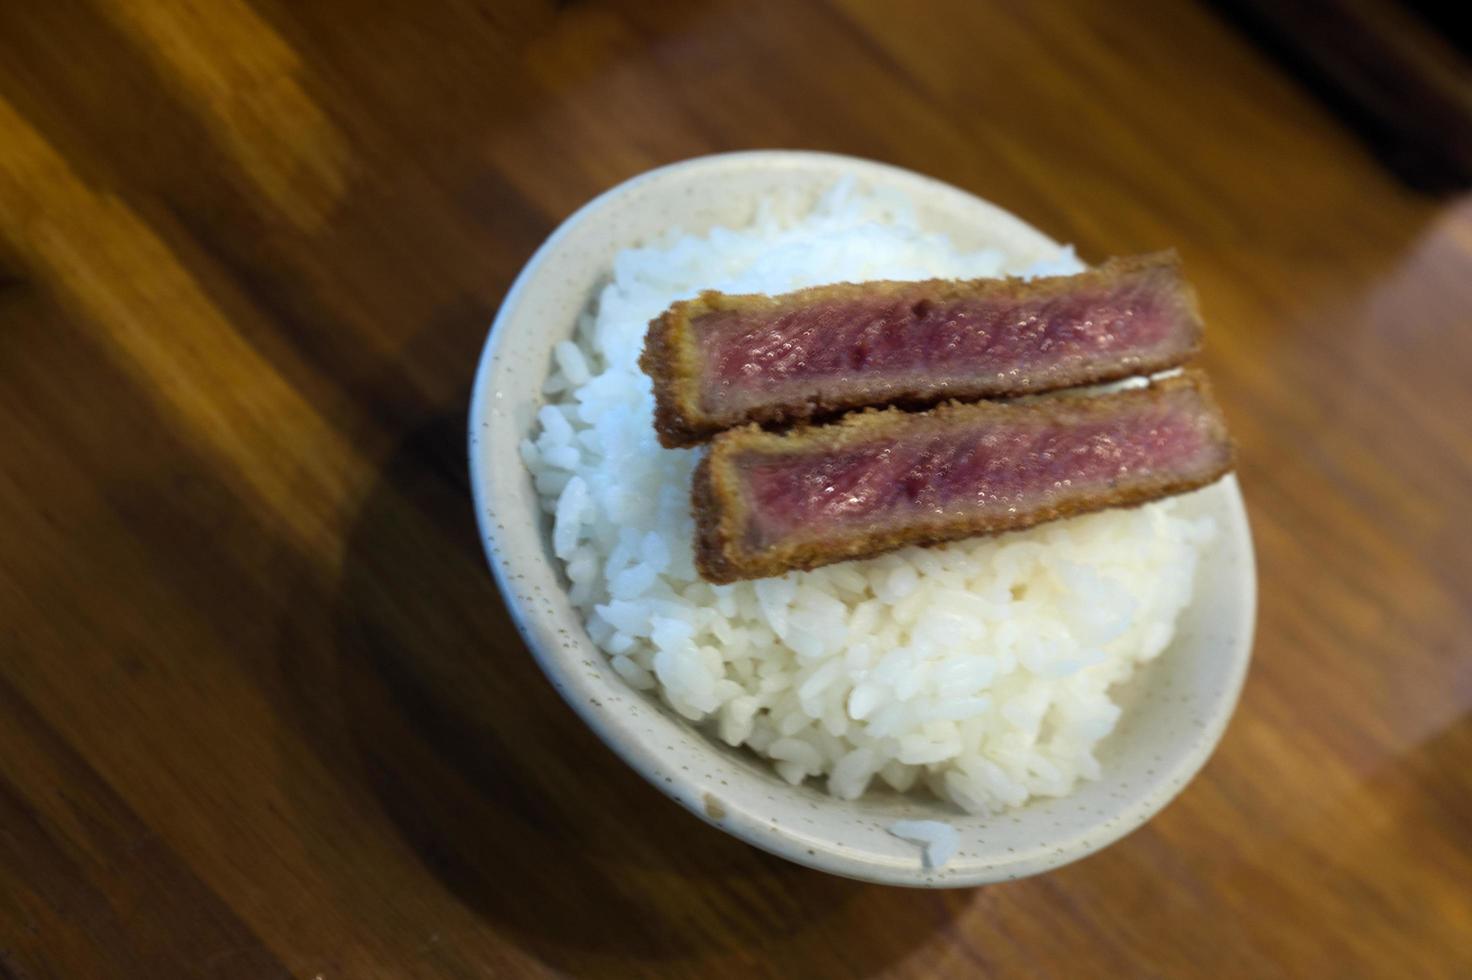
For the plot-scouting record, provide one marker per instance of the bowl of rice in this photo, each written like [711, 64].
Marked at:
[933, 717]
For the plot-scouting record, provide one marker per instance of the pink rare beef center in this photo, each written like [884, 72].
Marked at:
[998, 469]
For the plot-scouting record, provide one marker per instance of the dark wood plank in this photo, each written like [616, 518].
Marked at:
[94, 892]
[1389, 69]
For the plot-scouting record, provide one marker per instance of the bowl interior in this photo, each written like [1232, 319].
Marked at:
[1176, 707]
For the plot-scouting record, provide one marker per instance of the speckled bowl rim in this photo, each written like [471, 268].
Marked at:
[655, 742]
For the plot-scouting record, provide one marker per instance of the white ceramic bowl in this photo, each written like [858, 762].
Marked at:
[1175, 708]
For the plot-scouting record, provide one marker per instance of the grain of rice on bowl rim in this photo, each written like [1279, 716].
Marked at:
[981, 669]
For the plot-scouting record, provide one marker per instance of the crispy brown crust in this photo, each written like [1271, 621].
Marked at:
[669, 360]
[720, 511]
[670, 356]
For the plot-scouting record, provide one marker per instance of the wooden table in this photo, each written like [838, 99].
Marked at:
[261, 711]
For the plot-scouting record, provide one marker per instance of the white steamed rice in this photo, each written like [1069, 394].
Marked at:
[981, 669]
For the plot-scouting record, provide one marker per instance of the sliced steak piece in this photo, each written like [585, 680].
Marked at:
[720, 361]
[768, 503]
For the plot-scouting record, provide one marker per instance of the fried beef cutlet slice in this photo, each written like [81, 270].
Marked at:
[721, 361]
[768, 503]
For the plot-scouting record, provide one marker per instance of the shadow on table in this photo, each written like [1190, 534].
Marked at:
[428, 697]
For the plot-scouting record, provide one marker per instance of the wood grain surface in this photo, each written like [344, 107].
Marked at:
[261, 710]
